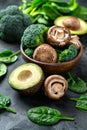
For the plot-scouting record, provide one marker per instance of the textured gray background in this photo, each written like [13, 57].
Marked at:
[19, 121]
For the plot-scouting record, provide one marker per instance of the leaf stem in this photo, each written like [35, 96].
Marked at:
[70, 76]
[74, 99]
[10, 109]
[16, 53]
[66, 118]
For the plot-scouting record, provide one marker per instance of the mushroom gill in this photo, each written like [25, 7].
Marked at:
[58, 36]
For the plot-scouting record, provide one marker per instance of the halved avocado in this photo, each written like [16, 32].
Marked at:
[27, 78]
[83, 25]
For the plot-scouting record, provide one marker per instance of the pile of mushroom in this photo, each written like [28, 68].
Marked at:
[55, 86]
[57, 37]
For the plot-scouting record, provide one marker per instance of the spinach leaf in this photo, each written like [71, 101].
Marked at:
[5, 53]
[44, 115]
[9, 58]
[81, 102]
[76, 84]
[4, 101]
[3, 69]
[80, 12]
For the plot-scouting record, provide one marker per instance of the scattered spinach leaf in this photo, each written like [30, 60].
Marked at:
[5, 53]
[44, 115]
[81, 102]
[3, 69]
[4, 101]
[10, 57]
[76, 84]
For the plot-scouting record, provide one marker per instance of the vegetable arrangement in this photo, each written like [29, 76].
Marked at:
[46, 116]
[4, 101]
[46, 11]
[43, 40]
[43, 12]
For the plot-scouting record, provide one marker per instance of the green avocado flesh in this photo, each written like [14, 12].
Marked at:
[25, 76]
[83, 25]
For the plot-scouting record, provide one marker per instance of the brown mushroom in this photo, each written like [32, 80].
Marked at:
[55, 86]
[45, 53]
[72, 23]
[58, 36]
[75, 40]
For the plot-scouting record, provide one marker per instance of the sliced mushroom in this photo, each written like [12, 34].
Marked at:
[58, 36]
[55, 86]
[75, 40]
[72, 23]
[45, 53]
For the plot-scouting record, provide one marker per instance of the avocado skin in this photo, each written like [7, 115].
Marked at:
[83, 29]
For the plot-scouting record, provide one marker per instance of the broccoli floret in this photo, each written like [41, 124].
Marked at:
[34, 35]
[68, 54]
[10, 10]
[13, 23]
[29, 51]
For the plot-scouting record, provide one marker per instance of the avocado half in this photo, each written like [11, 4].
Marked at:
[83, 25]
[27, 78]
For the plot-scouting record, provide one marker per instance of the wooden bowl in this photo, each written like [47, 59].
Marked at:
[54, 68]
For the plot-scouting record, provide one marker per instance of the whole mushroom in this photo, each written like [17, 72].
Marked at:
[45, 53]
[55, 86]
[58, 36]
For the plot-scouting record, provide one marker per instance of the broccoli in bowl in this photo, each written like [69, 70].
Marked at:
[34, 35]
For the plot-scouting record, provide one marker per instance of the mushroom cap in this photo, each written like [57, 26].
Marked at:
[72, 23]
[55, 86]
[45, 53]
[58, 36]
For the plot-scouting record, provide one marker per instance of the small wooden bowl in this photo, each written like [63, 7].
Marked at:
[54, 68]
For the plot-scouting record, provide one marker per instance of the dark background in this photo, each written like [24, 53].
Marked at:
[19, 121]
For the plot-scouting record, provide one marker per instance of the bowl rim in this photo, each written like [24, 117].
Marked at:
[54, 64]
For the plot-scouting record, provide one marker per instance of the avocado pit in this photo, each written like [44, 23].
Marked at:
[24, 75]
[72, 23]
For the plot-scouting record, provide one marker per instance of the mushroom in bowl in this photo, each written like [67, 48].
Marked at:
[59, 43]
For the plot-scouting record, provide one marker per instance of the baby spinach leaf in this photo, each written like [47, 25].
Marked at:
[44, 115]
[3, 69]
[76, 84]
[4, 101]
[81, 102]
[9, 58]
[5, 53]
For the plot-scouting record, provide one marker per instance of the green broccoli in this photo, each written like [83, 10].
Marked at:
[29, 52]
[34, 35]
[13, 23]
[68, 54]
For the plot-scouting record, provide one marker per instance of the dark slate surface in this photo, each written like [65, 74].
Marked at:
[19, 121]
